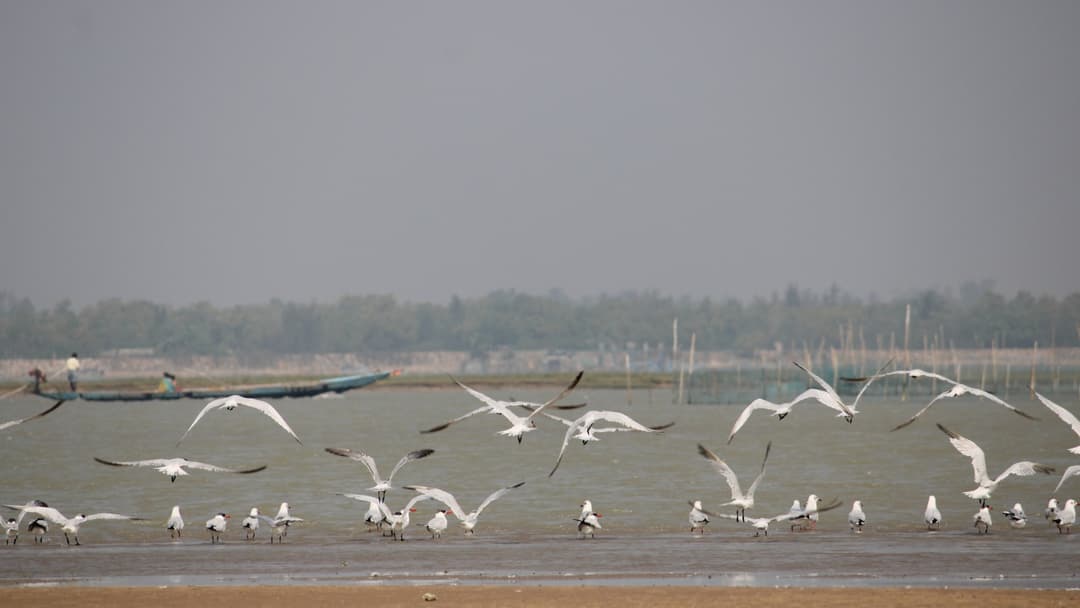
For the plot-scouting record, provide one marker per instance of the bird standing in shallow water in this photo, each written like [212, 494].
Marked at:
[932, 515]
[698, 518]
[175, 524]
[1016, 516]
[857, 517]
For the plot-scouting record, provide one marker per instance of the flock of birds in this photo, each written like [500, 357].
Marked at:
[521, 417]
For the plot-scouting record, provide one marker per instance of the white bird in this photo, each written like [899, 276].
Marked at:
[987, 486]
[437, 524]
[857, 517]
[811, 506]
[230, 403]
[70, 526]
[780, 410]
[740, 500]
[958, 390]
[250, 524]
[932, 515]
[982, 520]
[761, 524]
[914, 374]
[468, 520]
[1066, 416]
[11, 423]
[519, 425]
[1051, 510]
[374, 517]
[174, 467]
[39, 527]
[279, 525]
[832, 399]
[11, 530]
[175, 525]
[583, 429]
[216, 525]
[698, 517]
[398, 520]
[796, 513]
[381, 485]
[1066, 517]
[1016, 516]
[589, 521]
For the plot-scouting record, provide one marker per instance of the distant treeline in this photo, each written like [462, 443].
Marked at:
[974, 316]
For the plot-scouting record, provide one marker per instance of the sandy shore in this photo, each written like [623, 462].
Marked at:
[524, 595]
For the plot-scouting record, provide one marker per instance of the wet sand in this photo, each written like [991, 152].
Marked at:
[543, 596]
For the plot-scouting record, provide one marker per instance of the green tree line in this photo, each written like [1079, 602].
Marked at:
[974, 316]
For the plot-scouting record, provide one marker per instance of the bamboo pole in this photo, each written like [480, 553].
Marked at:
[690, 372]
[675, 354]
[629, 392]
[1034, 360]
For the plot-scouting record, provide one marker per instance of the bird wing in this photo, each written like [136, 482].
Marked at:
[920, 412]
[616, 418]
[560, 419]
[442, 496]
[416, 499]
[834, 503]
[94, 516]
[978, 392]
[756, 404]
[360, 457]
[48, 513]
[970, 449]
[724, 470]
[411, 456]
[270, 411]
[761, 475]
[565, 442]
[1024, 468]
[209, 406]
[557, 397]
[386, 512]
[11, 423]
[216, 469]
[496, 495]
[154, 462]
[1069, 472]
[829, 389]
[479, 410]
[1066, 416]
[880, 373]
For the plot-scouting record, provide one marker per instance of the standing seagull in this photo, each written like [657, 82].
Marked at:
[381, 485]
[279, 525]
[741, 501]
[175, 525]
[982, 520]
[1066, 517]
[857, 517]
[437, 524]
[70, 526]
[589, 521]
[39, 527]
[698, 517]
[11, 423]
[398, 520]
[958, 390]
[251, 524]
[761, 524]
[11, 530]
[216, 525]
[1051, 510]
[518, 425]
[1066, 416]
[932, 515]
[174, 467]
[468, 520]
[987, 486]
[582, 428]
[1016, 516]
[230, 403]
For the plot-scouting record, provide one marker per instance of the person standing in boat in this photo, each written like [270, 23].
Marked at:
[73, 371]
[168, 383]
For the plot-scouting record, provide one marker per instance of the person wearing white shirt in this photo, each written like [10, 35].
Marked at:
[73, 371]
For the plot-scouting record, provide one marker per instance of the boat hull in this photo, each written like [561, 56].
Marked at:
[328, 385]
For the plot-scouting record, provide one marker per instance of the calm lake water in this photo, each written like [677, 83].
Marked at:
[639, 483]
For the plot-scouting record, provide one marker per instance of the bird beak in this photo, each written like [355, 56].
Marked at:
[412, 510]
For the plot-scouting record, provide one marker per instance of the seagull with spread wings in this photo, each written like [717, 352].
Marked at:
[583, 429]
[739, 499]
[987, 485]
[11, 423]
[958, 390]
[761, 524]
[381, 485]
[1066, 416]
[231, 402]
[175, 467]
[468, 520]
[69, 525]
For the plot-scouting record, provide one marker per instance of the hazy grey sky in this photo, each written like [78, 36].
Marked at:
[242, 150]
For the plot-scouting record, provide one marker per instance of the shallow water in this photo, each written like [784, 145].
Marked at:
[639, 483]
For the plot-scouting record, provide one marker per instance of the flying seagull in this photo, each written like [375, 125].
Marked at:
[1066, 416]
[174, 467]
[230, 403]
[740, 500]
[582, 429]
[11, 423]
[987, 486]
[468, 519]
[381, 485]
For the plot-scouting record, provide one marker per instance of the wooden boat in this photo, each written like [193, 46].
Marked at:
[309, 389]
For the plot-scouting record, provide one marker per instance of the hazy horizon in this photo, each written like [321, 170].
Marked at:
[237, 152]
